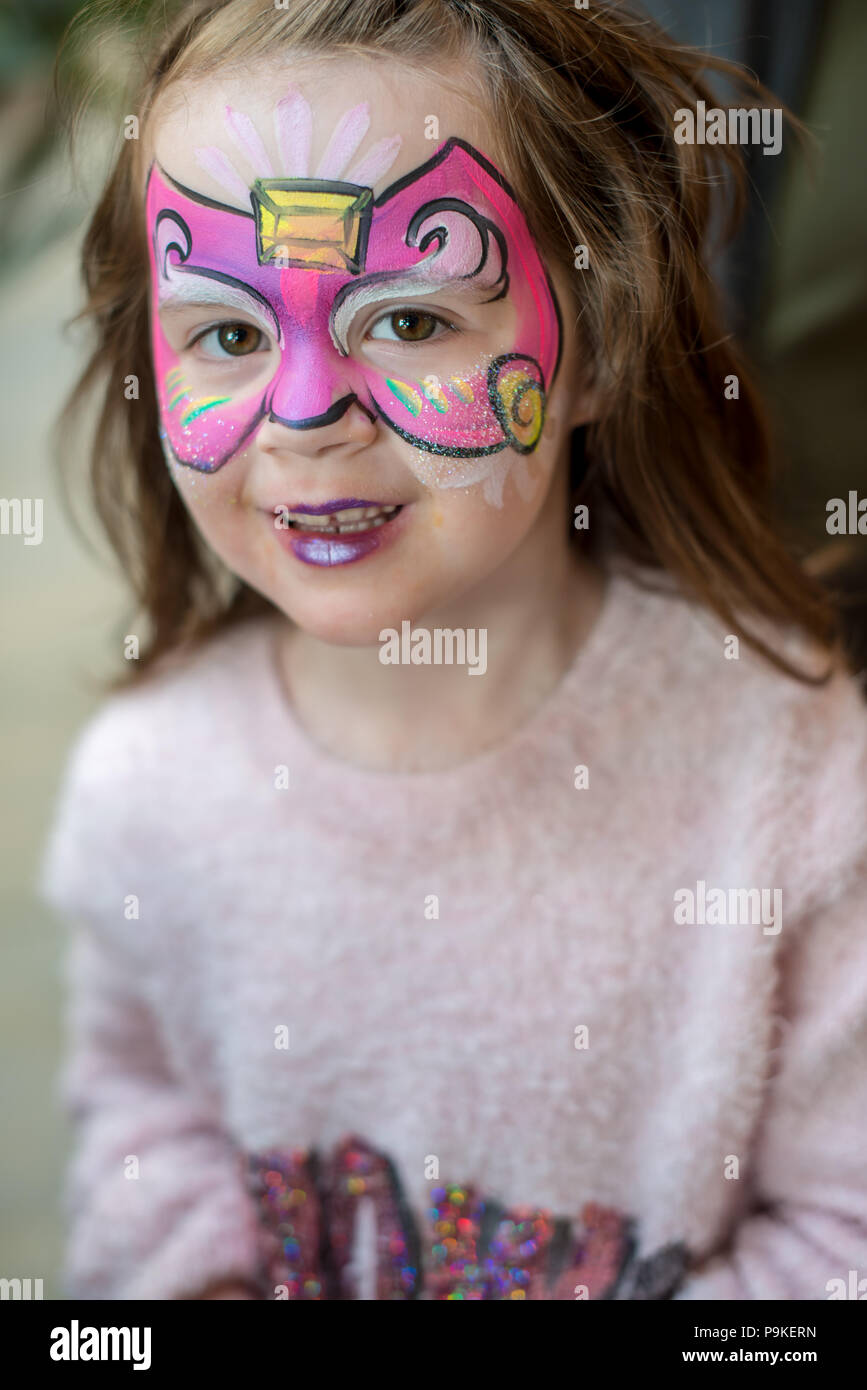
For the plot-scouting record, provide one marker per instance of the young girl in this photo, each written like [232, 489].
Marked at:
[469, 886]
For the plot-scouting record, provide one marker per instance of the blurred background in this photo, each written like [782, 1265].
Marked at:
[796, 286]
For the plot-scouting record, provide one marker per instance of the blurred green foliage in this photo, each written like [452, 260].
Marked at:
[30, 32]
[32, 126]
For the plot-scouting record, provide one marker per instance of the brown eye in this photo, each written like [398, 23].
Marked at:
[408, 326]
[239, 338]
[413, 326]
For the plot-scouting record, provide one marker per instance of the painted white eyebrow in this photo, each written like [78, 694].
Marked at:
[194, 287]
[402, 285]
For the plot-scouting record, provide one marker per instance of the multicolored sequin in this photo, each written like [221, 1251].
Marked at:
[468, 1247]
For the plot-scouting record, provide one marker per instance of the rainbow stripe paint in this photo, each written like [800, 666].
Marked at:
[198, 408]
[177, 391]
[435, 394]
[406, 395]
[461, 389]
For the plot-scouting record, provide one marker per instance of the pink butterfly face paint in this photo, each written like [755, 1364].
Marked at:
[312, 254]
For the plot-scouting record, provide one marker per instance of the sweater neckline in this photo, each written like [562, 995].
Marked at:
[584, 677]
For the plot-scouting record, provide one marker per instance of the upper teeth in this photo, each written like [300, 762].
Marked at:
[349, 519]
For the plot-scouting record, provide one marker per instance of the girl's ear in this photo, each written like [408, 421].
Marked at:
[584, 407]
[579, 393]
[578, 376]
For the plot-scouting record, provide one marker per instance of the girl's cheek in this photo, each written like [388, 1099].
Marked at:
[465, 536]
[457, 423]
[202, 430]
[214, 500]
[491, 475]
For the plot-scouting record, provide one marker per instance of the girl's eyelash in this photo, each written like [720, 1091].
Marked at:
[383, 317]
[223, 323]
[202, 332]
[411, 309]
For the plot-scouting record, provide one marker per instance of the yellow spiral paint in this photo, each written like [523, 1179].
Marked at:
[523, 413]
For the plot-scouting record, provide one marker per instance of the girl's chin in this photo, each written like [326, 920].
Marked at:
[345, 629]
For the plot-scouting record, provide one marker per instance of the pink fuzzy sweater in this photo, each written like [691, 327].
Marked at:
[342, 1033]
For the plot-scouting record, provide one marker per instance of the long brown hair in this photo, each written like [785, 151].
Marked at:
[582, 105]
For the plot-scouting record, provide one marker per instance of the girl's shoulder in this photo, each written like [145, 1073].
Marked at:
[143, 761]
[784, 760]
[186, 695]
[662, 694]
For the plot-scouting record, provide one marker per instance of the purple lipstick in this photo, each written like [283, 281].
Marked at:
[336, 532]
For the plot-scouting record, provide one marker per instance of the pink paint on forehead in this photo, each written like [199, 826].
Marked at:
[453, 218]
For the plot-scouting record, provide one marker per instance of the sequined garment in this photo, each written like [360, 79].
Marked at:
[469, 1247]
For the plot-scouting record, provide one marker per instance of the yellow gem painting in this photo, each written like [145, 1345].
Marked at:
[312, 224]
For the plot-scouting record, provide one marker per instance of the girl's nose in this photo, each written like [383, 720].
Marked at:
[313, 393]
[346, 422]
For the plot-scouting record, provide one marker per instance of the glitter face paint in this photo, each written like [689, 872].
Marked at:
[307, 255]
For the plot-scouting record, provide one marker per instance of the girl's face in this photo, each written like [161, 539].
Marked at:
[365, 385]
